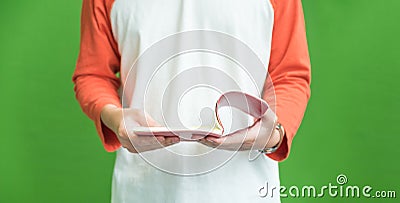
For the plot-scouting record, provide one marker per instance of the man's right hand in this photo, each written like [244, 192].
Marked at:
[121, 121]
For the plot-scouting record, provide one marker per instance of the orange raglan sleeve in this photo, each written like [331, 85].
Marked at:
[289, 69]
[96, 84]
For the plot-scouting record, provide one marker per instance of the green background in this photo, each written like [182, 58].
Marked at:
[51, 153]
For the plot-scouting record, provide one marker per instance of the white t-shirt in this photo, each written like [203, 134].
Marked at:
[183, 88]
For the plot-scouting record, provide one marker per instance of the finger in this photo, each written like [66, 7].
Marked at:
[135, 144]
[132, 150]
[140, 141]
[209, 143]
[148, 143]
[167, 142]
[160, 138]
[145, 141]
[173, 139]
[230, 147]
[232, 141]
[136, 148]
[205, 142]
[170, 141]
[128, 146]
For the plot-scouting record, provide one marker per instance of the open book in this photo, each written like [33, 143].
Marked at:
[246, 103]
[184, 133]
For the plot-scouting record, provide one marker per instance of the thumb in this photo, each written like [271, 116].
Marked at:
[147, 121]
